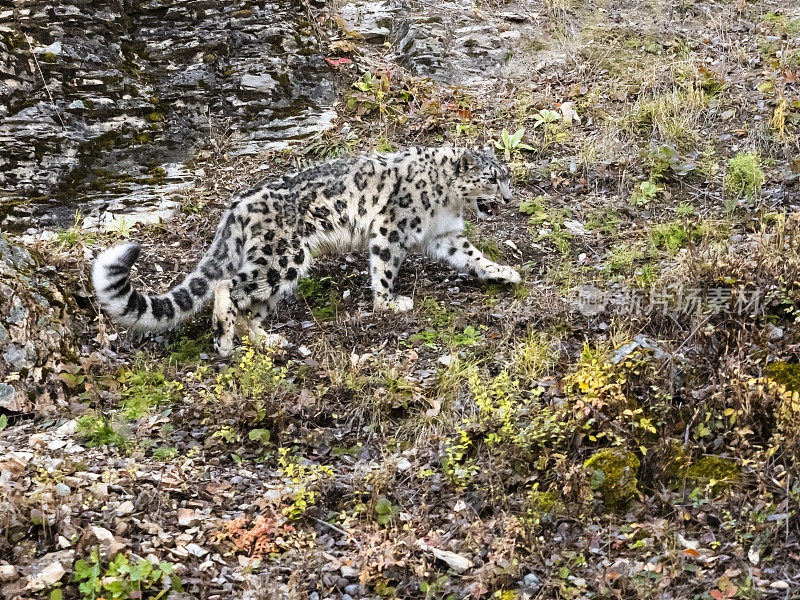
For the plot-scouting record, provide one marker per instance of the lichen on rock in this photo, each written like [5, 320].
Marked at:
[786, 374]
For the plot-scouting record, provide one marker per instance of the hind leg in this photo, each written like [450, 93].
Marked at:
[255, 332]
[225, 313]
[385, 258]
[265, 281]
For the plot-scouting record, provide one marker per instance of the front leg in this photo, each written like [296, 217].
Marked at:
[385, 258]
[457, 251]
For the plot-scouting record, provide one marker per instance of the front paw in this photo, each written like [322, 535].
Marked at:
[394, 304]
[259, 337]
[224, 346]
[501, 273]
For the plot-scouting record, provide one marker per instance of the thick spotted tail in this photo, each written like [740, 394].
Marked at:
[128, 307]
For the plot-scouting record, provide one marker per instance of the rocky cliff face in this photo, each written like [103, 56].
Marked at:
[106, 99]
[37, 326]
[449, 42]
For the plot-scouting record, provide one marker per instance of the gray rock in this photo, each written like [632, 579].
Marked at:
[774, 332]
[7, 396]
[117, 111]
[8, 573]
[263, 83]
[371, 20]
[449, 43]
[37, 332]
[46, 571]
[16, 358]
[531, 584]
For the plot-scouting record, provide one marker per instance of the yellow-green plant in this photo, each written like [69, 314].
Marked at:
[744, 176]
[254, 374]
[303, 479]
[459, 469]
[515, 420]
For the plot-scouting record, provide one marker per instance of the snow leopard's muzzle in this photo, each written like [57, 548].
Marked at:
[487, 206]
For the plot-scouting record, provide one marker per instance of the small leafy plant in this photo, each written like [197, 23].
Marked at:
[121, 227]
[145, 389]
[71, 236]
[459, 469]
[550, 123]
[304, 477]
[124, 579]
[511, 143]
[645, 193]
[100, 430]
[165, 453]
[545, 118]
[378, 93]
[665, 163]
[385, 511]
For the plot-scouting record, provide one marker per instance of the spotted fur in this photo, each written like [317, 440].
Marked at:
[412, 200]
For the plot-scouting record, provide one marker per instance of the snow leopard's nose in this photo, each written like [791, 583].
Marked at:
[505, 190]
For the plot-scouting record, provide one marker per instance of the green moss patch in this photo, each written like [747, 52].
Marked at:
[718, 471]
[744, 176]
[543, 502]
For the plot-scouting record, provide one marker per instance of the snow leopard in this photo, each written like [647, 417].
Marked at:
[415, 199]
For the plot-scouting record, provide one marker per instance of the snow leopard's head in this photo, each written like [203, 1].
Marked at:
[483, 181]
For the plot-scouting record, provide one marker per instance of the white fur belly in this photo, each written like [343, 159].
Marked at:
[438, 226]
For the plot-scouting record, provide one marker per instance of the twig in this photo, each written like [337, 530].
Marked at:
[342, 531]
[44, 81]
[678, 349]
[691, 335]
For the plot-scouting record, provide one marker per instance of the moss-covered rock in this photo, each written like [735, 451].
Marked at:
[614, 476]
[785, 374]
[784, 379]
[718, 471]
[542, 501]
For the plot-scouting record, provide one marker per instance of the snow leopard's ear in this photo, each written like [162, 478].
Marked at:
[488, 150]
[467, 161]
